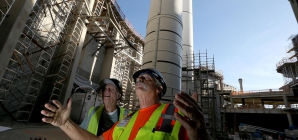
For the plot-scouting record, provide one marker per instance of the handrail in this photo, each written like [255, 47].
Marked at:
[127, 22]
[289, 48]
[257, 106]
[260, 92]
[260, 128]
[285, 60]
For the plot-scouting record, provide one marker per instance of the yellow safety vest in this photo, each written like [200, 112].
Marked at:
[94, 121]
[147, 132]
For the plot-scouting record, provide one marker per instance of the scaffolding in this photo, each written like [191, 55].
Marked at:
[288, 66]
[206, 81]
[39, 68]
[5, 6]
[65, 54]
[33, 55]
[109, 26]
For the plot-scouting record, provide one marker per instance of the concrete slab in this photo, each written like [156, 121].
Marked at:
[34, 133]
[2, 128]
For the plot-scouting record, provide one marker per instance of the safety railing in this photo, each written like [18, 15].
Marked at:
[285, 60]
[258, 106]
[266, 92]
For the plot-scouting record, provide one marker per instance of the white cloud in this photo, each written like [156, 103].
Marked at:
[269, 23]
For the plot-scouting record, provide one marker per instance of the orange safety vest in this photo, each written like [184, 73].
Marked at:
[161, 125]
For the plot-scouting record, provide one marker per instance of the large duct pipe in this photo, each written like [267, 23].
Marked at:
[187, 45]
[240, 82]
[163, 49]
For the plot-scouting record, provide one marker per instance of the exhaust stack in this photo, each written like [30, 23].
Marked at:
[163, 45]
[240, 82]
[187, 45]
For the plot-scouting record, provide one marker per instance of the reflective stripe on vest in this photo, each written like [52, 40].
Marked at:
[167, 119]
[94, 121]
[124, 127]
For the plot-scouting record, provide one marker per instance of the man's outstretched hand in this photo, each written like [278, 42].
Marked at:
[56, 116]
[193, 119]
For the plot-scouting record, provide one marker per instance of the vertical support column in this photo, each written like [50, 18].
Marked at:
[108, 64]
[11, 29]
[221, 84]
[231, 99]
[289, 118]
[221, 101]
[243, 101]
[285, 99]
[287, 106]
[226, 130]
[73, 71]
[235, 123]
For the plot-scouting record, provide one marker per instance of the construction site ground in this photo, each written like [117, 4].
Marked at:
[32, 131]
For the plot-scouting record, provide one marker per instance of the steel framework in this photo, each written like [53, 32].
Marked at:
[110, 27]
[206, 81]
[44, 55]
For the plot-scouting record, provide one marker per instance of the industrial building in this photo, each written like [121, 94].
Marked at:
[59, 42]
[56, 49]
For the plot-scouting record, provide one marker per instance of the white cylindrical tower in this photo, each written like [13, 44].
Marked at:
[187, 45]
[163, 47]
[240, 82]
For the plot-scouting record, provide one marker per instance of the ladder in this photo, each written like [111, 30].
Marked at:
[66, 54]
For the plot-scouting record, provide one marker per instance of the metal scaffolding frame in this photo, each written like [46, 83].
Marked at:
[127, 62]
[5, 6]
[206, 81]
[64, 55]
[111, 29]
[288, 66]
[30, 61]
[43, 56]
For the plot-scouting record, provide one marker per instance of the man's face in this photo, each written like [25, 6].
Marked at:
[110, 94]
[145, 83]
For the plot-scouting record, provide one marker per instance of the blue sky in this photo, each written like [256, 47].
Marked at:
[246, 37]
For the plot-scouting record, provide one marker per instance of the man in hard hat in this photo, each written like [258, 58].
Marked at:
[153, 121]
[102, 118]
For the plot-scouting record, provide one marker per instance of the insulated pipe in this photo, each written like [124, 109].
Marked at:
[187, 45]
[163, 45]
